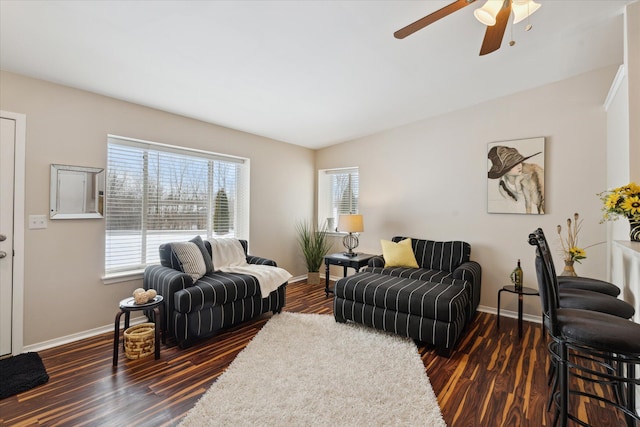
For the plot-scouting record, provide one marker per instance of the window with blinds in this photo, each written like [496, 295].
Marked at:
[157, 193]
[338, 192]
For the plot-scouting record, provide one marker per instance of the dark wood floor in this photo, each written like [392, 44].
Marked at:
[492, 379]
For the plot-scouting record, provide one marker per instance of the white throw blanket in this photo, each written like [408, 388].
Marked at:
[228, 256]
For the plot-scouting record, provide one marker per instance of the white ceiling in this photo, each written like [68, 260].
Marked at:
[311, 73]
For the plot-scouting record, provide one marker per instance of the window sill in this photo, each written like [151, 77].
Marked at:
[126, 276]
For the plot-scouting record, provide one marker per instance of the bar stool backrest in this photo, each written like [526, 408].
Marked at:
[551, 265]
[547, 282]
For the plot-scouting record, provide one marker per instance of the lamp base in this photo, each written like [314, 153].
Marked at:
[350, 242]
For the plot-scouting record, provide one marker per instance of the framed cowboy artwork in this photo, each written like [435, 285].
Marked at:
[515, 182]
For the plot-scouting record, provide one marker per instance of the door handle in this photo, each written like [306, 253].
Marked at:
[3, 237]
[3, 254]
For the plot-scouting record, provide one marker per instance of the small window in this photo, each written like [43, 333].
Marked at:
[157, 193]
[338, 192]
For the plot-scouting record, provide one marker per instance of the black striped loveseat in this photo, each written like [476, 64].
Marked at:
[432, 303]
[216, 300]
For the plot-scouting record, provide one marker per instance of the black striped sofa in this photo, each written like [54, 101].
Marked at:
[431, 304]
[217, 300]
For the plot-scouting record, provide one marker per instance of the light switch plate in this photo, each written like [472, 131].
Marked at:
[37, 222]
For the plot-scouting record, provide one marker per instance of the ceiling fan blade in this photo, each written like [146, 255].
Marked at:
[430, 19]
[494, 34]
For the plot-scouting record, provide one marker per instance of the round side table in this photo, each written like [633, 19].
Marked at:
[521, 293]
[128, 305]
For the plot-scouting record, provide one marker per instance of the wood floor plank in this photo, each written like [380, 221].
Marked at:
[493, 378]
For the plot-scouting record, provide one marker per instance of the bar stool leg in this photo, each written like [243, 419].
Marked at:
[631, 394]
[563, 381]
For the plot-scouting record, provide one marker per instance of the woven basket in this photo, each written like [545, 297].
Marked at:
[139, 341]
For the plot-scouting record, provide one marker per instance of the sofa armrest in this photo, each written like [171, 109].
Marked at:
[376, 261]
[166, 281]
[472, 273]
[252, 259]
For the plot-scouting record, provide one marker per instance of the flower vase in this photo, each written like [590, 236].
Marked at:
[568, 269]
[634, 232]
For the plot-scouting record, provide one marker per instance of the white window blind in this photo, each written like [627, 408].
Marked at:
[157, 194]
[338, 193]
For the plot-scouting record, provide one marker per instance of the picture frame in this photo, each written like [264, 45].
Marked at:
[515, 176]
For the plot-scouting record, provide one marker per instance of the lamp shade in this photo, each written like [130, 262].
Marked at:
[487, 13]
[350, 223]
[522, 9]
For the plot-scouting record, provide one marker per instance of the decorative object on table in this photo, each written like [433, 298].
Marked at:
[352, 223]
[328, 376]
[570, 249]
[623, 202]
[331, 224]
[139, 341]
[142, 297]
[315, 245]
[516, 277]
[515, 184]
[21, 373]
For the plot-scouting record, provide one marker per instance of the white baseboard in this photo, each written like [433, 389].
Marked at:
[511, 314]
[80, 335]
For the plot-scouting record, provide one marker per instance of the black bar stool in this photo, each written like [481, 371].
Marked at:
[589, 345]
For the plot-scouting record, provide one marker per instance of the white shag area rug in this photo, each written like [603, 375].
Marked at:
[308, 370]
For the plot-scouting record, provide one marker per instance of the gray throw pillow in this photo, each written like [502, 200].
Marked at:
[191, 259]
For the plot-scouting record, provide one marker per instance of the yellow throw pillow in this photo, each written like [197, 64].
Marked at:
[398, 254]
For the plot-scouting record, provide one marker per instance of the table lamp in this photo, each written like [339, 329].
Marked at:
[351, 224]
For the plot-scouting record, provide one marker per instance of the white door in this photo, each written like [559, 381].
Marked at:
[7, 147]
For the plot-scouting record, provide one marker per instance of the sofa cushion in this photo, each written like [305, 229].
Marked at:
[398, 254]
[215, 289]
[440, 301]
[191, 259]
[446, 256]
[427, 275]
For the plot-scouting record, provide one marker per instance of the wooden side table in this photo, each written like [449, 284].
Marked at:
[355, 262]
[128, 305]
[521, 293]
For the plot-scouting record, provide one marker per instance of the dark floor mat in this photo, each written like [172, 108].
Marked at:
[21, 373]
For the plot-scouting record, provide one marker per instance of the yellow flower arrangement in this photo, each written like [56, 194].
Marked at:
[622, 201]
[570, 248]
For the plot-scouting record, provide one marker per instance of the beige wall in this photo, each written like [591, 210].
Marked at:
[632, 62]
[63, 290]
[429, 179]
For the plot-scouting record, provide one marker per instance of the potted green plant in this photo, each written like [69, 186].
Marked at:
[315, 245]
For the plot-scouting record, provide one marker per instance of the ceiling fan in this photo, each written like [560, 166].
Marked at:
[494, 14]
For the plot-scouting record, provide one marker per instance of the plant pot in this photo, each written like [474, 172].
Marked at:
[568, 269]
[313, 278]
[634, 232]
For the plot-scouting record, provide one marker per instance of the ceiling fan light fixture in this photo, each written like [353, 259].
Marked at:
[487, 13]
[522, 9]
